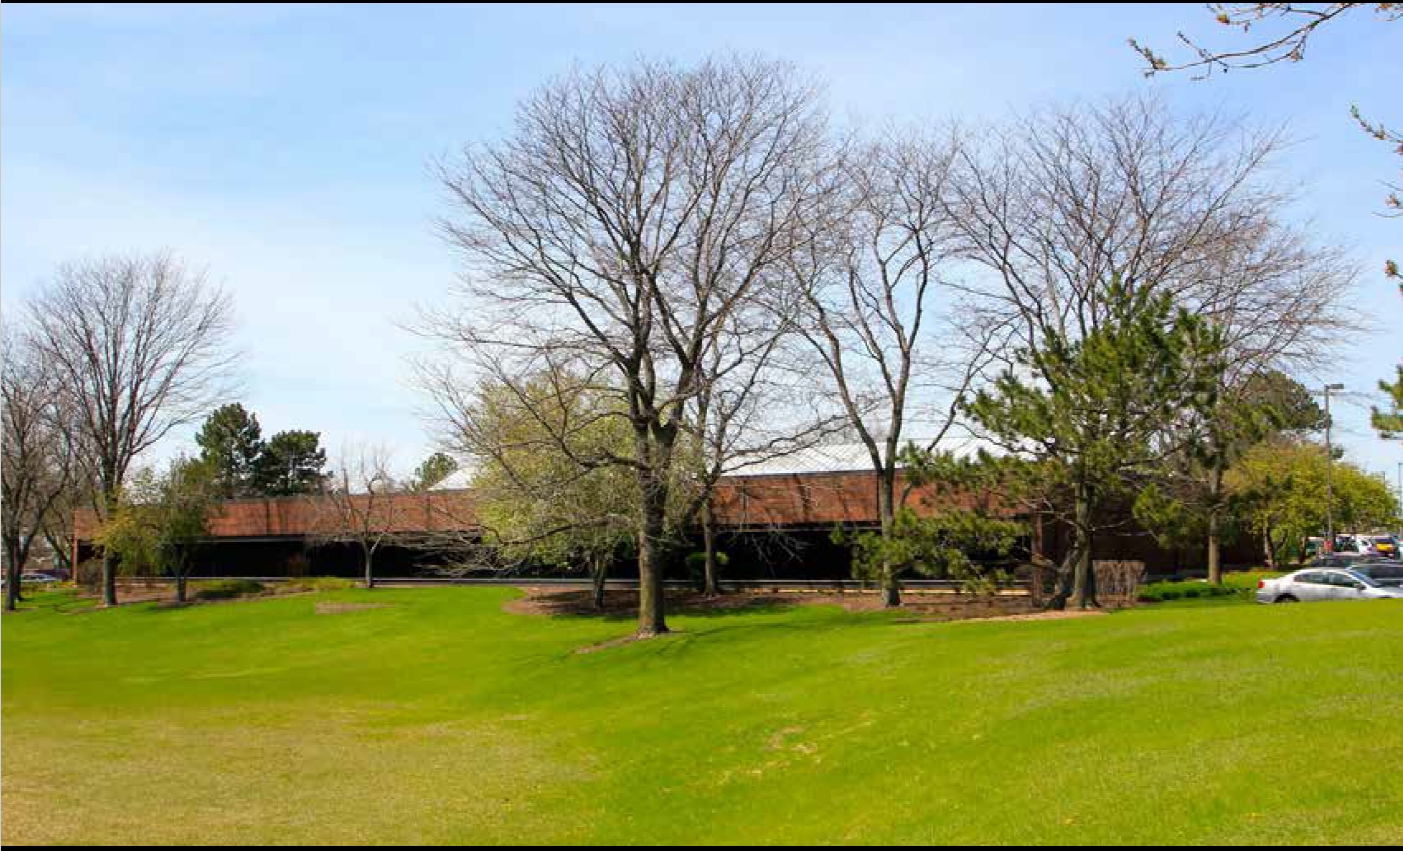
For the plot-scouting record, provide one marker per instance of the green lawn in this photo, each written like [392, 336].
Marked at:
[440, 718]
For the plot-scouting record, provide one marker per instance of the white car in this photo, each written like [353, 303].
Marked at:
[1316, 584]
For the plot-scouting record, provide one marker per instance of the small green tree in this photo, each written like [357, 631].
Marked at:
[231, 442]
[129, 532]
[433, 470]
[944, 542]
[543, 493]
[161, 521]
[1092, 412]
[291, 463]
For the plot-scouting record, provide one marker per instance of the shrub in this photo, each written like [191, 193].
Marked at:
[89, 573]
[317, 583]
[1119, 578]
[225, 589]
[1241, 584]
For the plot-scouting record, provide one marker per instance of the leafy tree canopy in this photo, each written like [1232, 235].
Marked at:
[1278, 491]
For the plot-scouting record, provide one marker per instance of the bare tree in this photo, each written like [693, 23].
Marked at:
[38, 467]
[631, 213]
[1063, 201]
[140, 345]
[361, 504]
[752, 408]
[870, 278]
[1294, 25]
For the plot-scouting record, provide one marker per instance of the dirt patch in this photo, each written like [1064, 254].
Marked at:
[624, 604]
[343, 608]
[920, 607]
[932, 606]
[132, 593]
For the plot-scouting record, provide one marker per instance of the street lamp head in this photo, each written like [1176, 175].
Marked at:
[1334, 387]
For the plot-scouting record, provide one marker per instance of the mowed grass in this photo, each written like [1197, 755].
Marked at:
[437, 717]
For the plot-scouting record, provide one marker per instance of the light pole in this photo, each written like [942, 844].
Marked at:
[1329, 463]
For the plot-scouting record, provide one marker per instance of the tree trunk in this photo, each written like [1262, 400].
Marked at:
[599, 573]
[109, 578]
[1273, 547]
[369, 569]
[12, 574]
[1062, 580]
[15, 557]
[713, 585]
[651, 603]
[1215, 510]
[105, 505]
[62, 553]
[1083, 581]
[886, 512]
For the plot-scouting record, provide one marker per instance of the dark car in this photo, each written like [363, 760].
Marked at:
[1385, 572]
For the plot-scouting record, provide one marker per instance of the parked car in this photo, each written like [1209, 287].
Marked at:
[37, 577]
[1314, 585]
[1360, 545]
[1386, 572]
[1386, 546]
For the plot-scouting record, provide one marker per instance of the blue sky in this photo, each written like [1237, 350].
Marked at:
[287, 148]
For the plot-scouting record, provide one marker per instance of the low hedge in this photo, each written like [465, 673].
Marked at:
[1239, 584]
[319, 583]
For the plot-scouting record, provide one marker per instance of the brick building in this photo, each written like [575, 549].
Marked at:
[774, 521]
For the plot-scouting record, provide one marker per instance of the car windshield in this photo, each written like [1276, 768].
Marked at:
[1354, 574]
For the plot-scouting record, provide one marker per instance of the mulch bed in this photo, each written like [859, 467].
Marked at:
[921, 607]
[553, 601]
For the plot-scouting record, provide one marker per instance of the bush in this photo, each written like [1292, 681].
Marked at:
[1247, 580]
[225, 589]
[1241, 584]
[320, 583]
